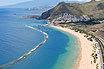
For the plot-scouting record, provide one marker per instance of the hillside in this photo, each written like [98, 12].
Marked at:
[94, 9]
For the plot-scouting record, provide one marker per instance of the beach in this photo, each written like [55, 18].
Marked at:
[86, 48]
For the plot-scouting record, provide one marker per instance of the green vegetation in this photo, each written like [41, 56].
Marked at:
[95, 10]
[97, 66]
[94, 56]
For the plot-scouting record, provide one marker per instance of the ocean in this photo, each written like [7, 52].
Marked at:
[59, 52]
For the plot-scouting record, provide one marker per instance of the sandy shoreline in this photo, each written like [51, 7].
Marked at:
[85, 60]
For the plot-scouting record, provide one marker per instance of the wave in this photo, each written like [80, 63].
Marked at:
[30, 52]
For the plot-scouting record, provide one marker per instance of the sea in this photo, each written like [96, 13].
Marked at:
[59, 52]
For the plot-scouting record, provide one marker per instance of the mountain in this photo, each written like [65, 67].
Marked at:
[37, 3]
[94, 9]
[42, 8]
[33, 3]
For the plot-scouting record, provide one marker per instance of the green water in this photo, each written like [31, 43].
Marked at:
[69, 58]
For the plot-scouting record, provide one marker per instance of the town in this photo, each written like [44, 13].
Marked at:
[66, 18]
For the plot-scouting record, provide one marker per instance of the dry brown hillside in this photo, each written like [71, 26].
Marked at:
[94, 9]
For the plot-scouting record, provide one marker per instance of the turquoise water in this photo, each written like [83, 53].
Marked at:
[59, 52]
[67, 60]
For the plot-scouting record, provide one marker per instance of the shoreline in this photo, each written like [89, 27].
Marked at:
[84, 60]
[76, 65]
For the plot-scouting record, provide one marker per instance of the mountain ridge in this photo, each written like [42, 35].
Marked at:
[94, 9]
[30, 4]
[36, 3]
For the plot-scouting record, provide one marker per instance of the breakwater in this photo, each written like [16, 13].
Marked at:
[30, 52]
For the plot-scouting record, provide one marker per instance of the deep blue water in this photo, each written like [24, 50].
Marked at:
[16, 40]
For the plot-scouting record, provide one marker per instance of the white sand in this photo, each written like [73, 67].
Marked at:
[86, 48]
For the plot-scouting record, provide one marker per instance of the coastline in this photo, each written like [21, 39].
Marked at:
[76, 65]
[84, 60]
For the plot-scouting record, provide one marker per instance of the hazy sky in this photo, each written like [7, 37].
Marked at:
[10, 2]
[79, 0]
